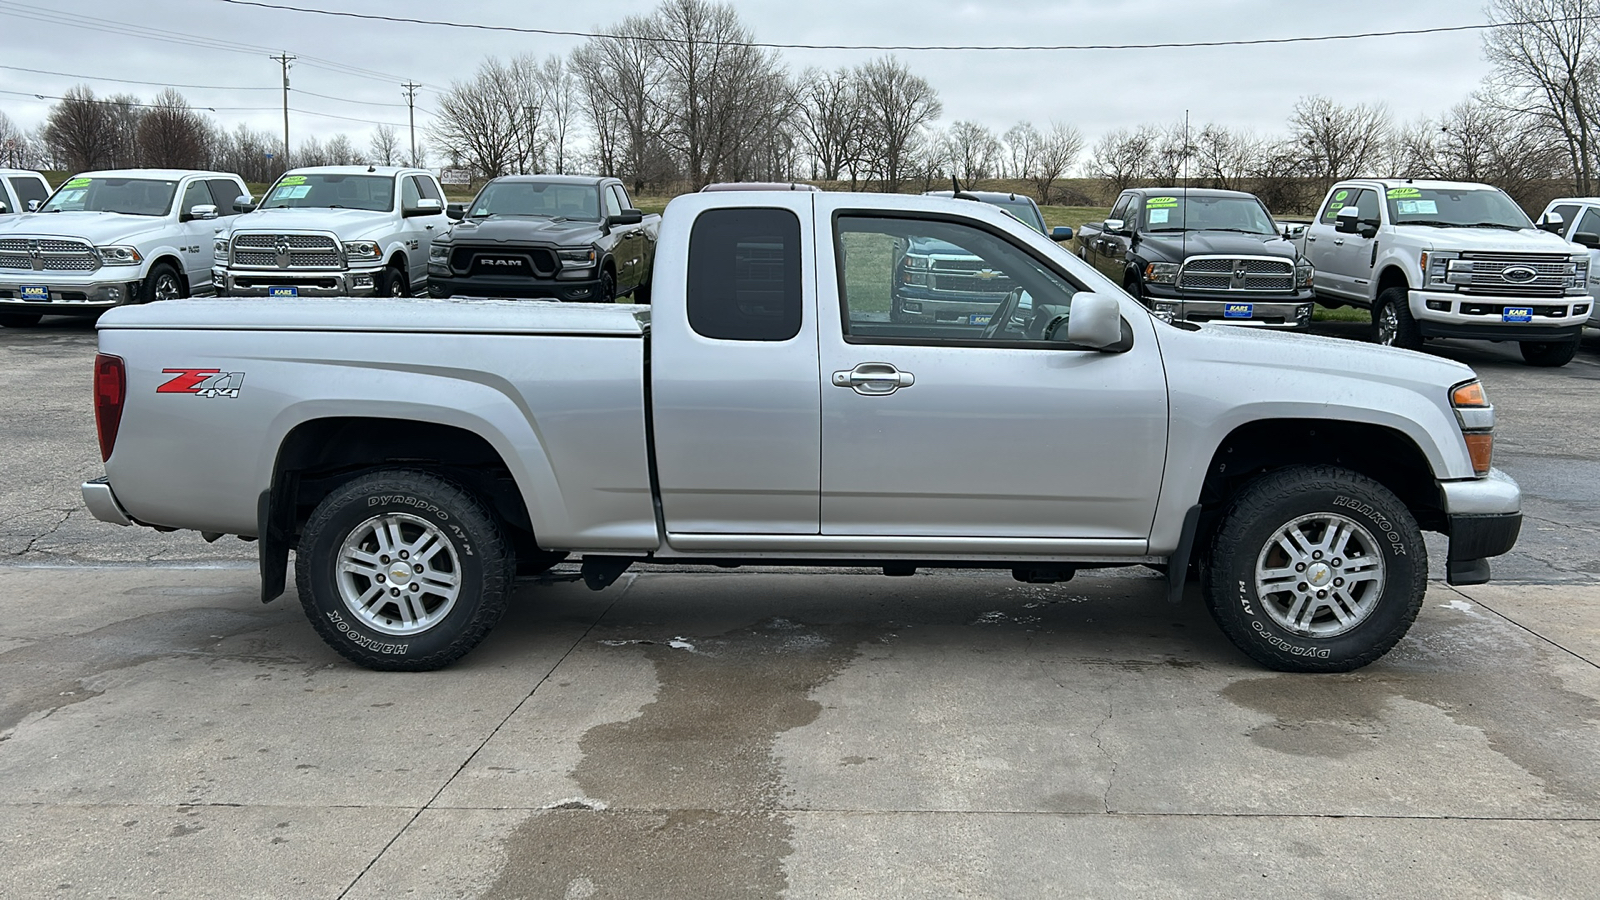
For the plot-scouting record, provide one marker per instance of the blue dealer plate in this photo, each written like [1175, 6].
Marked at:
[283, 292]
[1517, 314]
[978, 319]
[36, 292]
[1238, 310]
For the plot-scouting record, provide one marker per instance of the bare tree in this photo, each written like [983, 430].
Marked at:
[1057, 153]
[340, 152]
[559, 88]
[491, 122]
[896, 105]
[80, 132]
[619, 77]
[13, 144]
[829, 121]
[1547, 68]
[1122, 157]
[1338, 141]
[1021, 144]
[171, 135]
[1223, 158]
[385, 148]
[311, 153]
[974, 151]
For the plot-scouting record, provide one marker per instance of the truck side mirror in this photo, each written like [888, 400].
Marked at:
[1095, 321]
[242, 203]
[1587, 239]
[202, 211]
[1552, 222]
[35, 205]
[1114, 226]
[626, 217]
[1293, 232]
[1348, 220]
[1061, 234]
[425, 207]
[4, 208]
[456, 211]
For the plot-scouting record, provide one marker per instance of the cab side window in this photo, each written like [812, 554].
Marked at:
[613, 206]
[1367, 203]
[1590, 223]
[196, 194]
[622, 196]
[1119, 211]
[409, 195]
[1340, 198]
[744, 274]
[224, 193]
[27, 188]
[429, 190]
[1568, 212]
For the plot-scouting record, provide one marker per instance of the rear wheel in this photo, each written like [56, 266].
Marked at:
[1392, 322]
[19, 320]
[403, 570]
[1548, 354]
[1316, 569]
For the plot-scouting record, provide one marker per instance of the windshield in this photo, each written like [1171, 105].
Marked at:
[1024, 211]
[133, 196]
[332, 191]
[1178, 213]
[531, 198]
[1455, 208]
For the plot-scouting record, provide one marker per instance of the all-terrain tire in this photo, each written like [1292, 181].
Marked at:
[1548, 354]
[395, 281]
[373, 538]
[1349, 601]
[163, 283]
[1392, 322]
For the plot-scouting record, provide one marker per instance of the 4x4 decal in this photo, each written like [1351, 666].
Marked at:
[202, 383]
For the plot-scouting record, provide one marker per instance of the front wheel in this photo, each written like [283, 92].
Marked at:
[1392, 322]
[606, 292]
[402, 570]
[394, 282]
[1316, 569]
[162, 283]
[1548, 354]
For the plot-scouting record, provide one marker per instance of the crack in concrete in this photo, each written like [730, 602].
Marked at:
[1111, 711]
[65, 515]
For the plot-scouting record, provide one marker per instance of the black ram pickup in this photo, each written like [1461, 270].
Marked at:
[556, 237]
[1200, 255]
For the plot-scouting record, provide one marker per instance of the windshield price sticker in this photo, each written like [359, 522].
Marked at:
[1160, 202]
[1159, 216]
[1416, 207]
[1517, 314]
[77, 183]
[1404, 193]
[291, 179]
[291, 192]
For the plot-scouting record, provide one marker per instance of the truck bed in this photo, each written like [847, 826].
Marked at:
[457, 315]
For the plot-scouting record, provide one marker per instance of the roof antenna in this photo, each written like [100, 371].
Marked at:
[371, 167]
[956, 192]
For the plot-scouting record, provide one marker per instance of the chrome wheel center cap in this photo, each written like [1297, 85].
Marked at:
[1319, 575]
[399, 573]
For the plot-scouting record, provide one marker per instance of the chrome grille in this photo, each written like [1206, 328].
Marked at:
[1248, 274]
[1488, 276]
[43, 254]
[259, 250]
[966, 275]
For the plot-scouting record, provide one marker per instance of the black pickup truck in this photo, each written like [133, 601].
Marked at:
[559, 237]
[1201, 255]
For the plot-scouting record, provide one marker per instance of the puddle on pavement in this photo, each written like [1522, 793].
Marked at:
[688, 791]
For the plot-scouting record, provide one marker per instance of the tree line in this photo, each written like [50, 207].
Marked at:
[678, 98]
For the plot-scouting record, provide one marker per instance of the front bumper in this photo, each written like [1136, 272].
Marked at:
[1485, 518]
[1442, 314]
[67, 297]
[260, 282]
[1275, 312]
[103, 503]
[442, 283]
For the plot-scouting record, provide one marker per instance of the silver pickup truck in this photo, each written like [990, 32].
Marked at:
[418, 455]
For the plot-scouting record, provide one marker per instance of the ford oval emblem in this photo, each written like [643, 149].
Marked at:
[1518, 274]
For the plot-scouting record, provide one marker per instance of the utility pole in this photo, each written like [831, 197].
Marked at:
[411, 111]
[284, 60]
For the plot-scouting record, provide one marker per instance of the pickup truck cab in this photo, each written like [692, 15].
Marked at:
[1578, 220]
[21, 191]
[1449, 259]
[417, 456]
[105, 239]
[1202, 255]
[334, 231]
[561, 237]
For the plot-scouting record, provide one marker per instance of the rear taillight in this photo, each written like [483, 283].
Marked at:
[110, 388]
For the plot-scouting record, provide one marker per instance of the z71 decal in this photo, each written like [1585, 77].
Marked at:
[202, 383]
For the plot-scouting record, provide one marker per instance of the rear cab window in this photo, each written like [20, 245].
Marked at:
[744, 274]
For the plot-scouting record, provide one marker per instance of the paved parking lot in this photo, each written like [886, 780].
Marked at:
[783, 733]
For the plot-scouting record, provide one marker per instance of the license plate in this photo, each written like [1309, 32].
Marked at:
[283, 292]
[1517, 314]
[36, 292]
[1238, 310]
[978, 319]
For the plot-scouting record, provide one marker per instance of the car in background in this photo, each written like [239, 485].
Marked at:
[112, 237]
[938, 283]
[22, 191]
[334, 231]
[1202, 255]
[1578, 220]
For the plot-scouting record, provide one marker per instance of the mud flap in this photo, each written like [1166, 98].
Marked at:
[274, 524]
[1178, 562]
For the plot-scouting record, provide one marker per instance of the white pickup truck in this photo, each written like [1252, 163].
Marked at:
[334, 231]
[416, 455]
[1448, 259]
[1578, 220]
[108, 238]
[20, 189]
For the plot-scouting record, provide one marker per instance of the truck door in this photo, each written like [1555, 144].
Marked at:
[1105, 249]
[733, 368]
[1343, 261]
[196, 236]
[625, 251]
[1589, 224]
[976, 433]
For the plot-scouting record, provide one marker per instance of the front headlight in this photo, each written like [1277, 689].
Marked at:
[1161, 273]
[1578, 278]
[362, 250]
[576, 259]
[119, 256]
[1303, 271]
[219, 248]
[438, 253]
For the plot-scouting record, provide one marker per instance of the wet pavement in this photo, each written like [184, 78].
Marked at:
[799, 734]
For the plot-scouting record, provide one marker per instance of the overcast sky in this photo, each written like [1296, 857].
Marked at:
[1250, 87]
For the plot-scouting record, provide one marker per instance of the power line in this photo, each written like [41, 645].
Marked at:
[194, 87]
[1165, 45]
[196, 107]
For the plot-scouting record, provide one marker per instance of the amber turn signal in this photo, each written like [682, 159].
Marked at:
[1480, 446]
[1469, 395]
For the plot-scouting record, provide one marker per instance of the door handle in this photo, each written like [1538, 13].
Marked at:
[1311, 239]
[1338, 242]
[872, 379]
